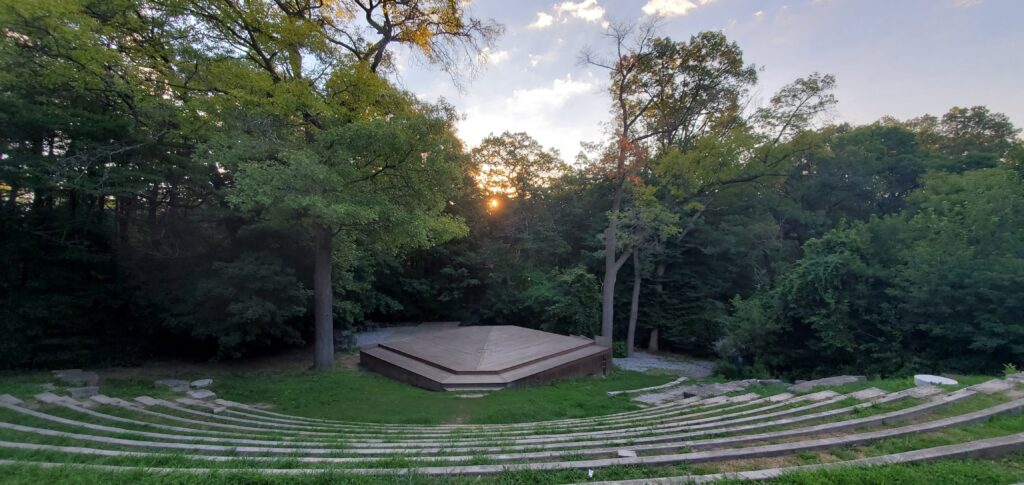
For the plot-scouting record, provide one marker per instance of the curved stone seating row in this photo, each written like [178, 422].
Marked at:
[711, 430]
[232, 437]
[691, 422]
[354, 440]
[505, 457]
[245, 421]
[668, 416]
[667, 409]
[394, 444]
[983, 448]
[705, 456]
[635, 428]
[667, 385]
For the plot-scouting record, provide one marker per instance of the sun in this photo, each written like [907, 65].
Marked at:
[493, 204]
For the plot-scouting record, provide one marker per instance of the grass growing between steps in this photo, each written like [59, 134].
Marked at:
[359, 396]
[354, 395]
[894, 384]
[950, 472]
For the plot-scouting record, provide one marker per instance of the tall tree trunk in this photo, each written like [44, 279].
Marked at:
[634, 307]
[323, 302]
[12, 198]
[611, 268]
[122, 208]
[151, 220]
[659, 289]
[652, 343]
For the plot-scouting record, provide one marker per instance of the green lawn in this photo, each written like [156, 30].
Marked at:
[356, 395]
[362, 396]
[954, 472]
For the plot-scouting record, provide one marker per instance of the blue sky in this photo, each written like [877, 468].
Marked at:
[898, 57]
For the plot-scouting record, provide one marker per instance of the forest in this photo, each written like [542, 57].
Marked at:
[219, 180]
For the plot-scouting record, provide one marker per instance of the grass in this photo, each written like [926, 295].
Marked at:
[351, 395]
[329, 395]
[952, 472]
[377, 399]
[893, 384]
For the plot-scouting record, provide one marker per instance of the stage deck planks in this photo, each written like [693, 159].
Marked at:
[485, 357]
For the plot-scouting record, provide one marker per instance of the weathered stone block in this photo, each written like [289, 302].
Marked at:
[83, 392]
[930, 380]
[804, 386]
[175, 385]
[201, 383]
[77, 377]
[201, 394]
[866, 394]
[993, 386]
[148, 401]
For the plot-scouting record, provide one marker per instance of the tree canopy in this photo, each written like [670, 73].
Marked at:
[219, 179]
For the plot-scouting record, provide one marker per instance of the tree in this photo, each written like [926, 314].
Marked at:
[929, 289]
[303, 75]
[379, 181]
[647, 224]
[515, 164]
[661, 90]
[964, 138]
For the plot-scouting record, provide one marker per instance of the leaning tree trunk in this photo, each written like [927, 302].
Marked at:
[323, 302]
[611, 268]
[634, 307]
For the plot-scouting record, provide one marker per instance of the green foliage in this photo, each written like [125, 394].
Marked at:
[568, 301]
[1009, 369]
[252, 302]
[926, 290]
[163, 179]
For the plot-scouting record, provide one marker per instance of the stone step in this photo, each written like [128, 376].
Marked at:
[675, 416]
[562, 437]
[984, 448]
[504, 457]
[651, 388]
[421, 444]
[98, 414]
[691, 457]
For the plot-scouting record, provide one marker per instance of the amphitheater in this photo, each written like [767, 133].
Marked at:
[735, 435]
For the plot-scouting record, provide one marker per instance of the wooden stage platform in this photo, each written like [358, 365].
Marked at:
[485, 358]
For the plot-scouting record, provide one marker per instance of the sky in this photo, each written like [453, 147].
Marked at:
[902, 58]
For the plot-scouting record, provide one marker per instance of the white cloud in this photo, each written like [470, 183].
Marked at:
[759, 13]
[671, 8]
[966, 3]
[543, 20]
[587, 10]
[538, 100]
[559, 113]
[488, 56]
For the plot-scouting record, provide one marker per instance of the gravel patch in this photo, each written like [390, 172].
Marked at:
[642, 362]
[376, 336]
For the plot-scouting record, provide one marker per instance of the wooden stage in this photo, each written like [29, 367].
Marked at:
[485, 358]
